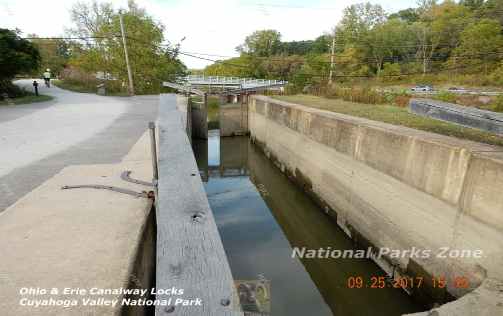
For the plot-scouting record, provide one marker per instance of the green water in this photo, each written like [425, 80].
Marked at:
[261, 216]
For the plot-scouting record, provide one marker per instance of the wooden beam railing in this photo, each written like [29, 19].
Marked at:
[190, 254]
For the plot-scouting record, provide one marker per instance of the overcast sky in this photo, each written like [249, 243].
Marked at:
[210, 26]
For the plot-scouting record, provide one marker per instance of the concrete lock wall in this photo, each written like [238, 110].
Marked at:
[199, 119]
[394, 187]
[233, 119]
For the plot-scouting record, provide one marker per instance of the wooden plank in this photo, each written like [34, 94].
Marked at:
[190, 255]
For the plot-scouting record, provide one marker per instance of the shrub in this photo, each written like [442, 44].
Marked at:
[355, 94]
[498, 104]
[13, 91]
[446, 97]
[391, 72]
[497, 75]
[402, 100]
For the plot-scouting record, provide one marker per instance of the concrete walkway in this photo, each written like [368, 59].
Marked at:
[40, 139]
[75, 239]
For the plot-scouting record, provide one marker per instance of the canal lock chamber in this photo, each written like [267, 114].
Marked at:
[266, 220]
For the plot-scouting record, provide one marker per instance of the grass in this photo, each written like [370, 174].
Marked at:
[82, 88]
[31, 98]
[394, 115]
[73, 86]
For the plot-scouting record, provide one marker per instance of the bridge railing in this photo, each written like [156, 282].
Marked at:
[219, 80]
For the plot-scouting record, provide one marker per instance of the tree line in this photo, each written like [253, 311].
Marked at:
[92, 52]
[464, 39]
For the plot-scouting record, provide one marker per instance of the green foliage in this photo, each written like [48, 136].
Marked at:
[27, 97]
[498, 104]
[17, 56]
[54, 54]
[391, 71]
[446, 97]
[151, 62]
[460, 43]
[383, 38]
[497, 75]
[321, 45]
[356, 94]
[262, 43]
[482, 41]
[410, 15]
[492, 9]
[295, 47]
[12, 90]
[233, 67]
[358, 20]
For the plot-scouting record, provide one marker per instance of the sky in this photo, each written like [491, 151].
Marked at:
[212, 27]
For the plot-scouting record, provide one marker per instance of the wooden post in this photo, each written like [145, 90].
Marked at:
[129, 73]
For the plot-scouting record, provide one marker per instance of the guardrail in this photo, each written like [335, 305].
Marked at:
[219, 80]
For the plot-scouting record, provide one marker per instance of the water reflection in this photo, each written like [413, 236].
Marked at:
[261, 215]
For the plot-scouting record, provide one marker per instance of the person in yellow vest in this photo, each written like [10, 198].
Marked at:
[47, 77]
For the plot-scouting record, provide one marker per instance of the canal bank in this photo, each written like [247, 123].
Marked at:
[398, 188]
[262, 217]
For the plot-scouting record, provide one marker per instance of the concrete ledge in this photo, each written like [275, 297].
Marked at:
[462, 115]
[486, 300]
[80, 238]
[442, 166]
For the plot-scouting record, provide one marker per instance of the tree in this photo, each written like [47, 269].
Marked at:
[151, 61]
[492, 9]
[233, 67]
[481, 44]
[295, 47]
[357, 21]
[54, 53]
[17, 56]
[262, 43]
[356, 30]
[350, 62]
[410, 15]
[424, 6]
[447, 22]
[89, 18]
[321, 44]
[391, 71]
[426, 42]
[388, 40]
[282, 68]
[472, 4]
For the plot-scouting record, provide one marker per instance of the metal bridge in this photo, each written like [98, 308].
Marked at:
[229, 84]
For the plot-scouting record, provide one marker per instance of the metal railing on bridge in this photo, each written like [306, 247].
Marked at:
[234, 82]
